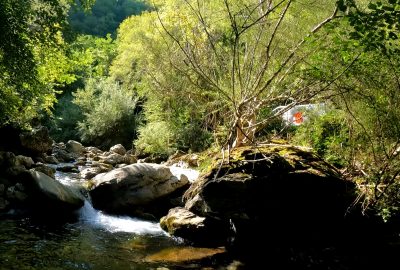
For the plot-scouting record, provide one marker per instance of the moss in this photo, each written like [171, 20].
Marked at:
[271, 159]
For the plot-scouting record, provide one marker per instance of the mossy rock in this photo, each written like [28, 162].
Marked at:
[279, 191]
[264, 160]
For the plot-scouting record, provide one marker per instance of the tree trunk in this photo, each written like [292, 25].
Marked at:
[245, 129]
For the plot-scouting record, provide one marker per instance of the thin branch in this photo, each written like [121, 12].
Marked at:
[195, 66]
[292, 54]
[268, 49]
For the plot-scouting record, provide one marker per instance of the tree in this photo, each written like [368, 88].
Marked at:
[241, 55]
[365, 137]
[104, 17]
[28, 71]
[375, 26]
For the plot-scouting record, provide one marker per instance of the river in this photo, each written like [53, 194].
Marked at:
[95, 240]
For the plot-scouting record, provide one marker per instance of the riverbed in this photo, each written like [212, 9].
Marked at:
[96, 240]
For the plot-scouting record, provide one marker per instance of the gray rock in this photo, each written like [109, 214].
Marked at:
[94, 150]
[47, 193]
[119, 149]
[265, 190]
[63, 156]
[75, 147]
[49, 171]
[113, 159]
[133, 185]
[51, 159]
[183, 223]
[89, 173]
[27, 162]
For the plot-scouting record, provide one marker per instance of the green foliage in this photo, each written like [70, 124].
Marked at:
[92, 56]
[327, 134]
[63, 124]
[219, 62]
[377, 26]
[110, 115]
[32, 60]
[193, 137]
[86, 57]
[155, 138]
[104, 17]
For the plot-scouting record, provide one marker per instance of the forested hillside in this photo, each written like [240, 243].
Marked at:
[161, 76]
[104, 16]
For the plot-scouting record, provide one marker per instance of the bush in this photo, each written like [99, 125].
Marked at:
[327, 134]
[63, 124]
[155, 138]
[193, 137]
[110, 113]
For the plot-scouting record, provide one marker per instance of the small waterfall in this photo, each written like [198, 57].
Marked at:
[178, 170]
[95, 218]
[89, 215]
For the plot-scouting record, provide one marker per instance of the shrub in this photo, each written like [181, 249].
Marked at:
[327, 134]
[155, 138]
[110, 113]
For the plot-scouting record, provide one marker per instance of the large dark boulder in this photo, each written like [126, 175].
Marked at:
[48, 196]
[134, 186]
[280, 194]
[36, 141]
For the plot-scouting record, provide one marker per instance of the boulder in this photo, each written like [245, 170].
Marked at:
[94, 150]
[113, 159]
[62, 155]
[119, 149]
[275, 193]
[89, 173]
[49, 171]
[51, 159]
[75, 147]
[183, 223]
[27, 162]
[7, 159]
[37, 141]
[46, 193]
[134, 185]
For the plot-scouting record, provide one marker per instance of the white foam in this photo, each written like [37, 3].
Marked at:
[191, 174]
[95, 218]
[117, 223]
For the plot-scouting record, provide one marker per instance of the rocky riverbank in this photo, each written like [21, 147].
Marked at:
[279, 197]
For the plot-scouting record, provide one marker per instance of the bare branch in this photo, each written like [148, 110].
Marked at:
[268, 49]
[293, 53]
[194, 64]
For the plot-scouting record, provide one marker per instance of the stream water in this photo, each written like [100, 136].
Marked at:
[94, 241]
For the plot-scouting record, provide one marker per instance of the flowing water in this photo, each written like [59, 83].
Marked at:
[93, 241]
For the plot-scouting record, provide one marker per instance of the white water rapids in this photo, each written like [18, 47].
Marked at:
[95, 218]
[98, 219]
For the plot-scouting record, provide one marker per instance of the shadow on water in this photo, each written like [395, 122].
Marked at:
[95, 241]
